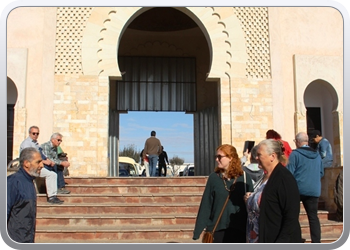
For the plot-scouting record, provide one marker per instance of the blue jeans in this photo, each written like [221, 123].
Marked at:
[153, 159]
[311, 206]
[60, 178]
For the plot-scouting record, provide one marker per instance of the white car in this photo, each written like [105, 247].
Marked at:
[130, 165]
[189, 170]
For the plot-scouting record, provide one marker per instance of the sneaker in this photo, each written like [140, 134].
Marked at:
[54, 200]
[63, 191]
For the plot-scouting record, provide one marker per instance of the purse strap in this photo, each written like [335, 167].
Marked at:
[245, 188]
[223, 208]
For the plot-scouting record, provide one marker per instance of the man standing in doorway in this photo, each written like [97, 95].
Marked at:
[306, 166]
[152, 148]
[323, 147]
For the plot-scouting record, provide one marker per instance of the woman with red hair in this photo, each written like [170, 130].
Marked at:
[286, 149]
[227, 179]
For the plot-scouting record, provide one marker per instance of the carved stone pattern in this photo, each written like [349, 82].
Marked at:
[256, 28]
[69, 34]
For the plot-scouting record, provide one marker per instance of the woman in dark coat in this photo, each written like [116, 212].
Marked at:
[280, 200]
[232, 226]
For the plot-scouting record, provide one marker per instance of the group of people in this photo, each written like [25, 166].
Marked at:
[152, 153]
[36, 161]
[264, 196]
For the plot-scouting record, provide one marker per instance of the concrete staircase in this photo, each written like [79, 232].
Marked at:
[136, 210]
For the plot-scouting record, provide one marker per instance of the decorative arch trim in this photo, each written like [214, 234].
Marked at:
[220, 26]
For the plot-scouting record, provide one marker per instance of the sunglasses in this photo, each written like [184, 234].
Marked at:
[59, 140]
[219, 157]
[35, 133]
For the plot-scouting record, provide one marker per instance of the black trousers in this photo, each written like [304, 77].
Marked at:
[230, 235]
[311, 207]
[160, 166]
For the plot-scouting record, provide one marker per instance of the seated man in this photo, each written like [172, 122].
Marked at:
[50, 176]
[50, 151]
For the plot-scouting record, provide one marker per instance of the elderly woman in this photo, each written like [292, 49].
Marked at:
[232, 225]
[275, 206]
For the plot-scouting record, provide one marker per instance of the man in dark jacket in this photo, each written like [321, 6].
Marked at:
[306, 166]
[21, 197]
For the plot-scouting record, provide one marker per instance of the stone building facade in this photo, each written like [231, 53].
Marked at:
[255, 68]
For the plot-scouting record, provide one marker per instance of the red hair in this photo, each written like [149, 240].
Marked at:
[234, 168]
[272, 134]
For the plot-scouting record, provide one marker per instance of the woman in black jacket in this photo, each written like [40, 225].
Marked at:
[280, 201]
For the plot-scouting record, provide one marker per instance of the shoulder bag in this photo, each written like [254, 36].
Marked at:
[208, 237]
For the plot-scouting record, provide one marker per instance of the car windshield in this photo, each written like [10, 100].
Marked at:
[128, 167]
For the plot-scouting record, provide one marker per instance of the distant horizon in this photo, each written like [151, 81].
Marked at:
[173, 129]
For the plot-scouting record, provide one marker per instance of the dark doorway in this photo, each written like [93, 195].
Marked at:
[10, 119]
[313, 115]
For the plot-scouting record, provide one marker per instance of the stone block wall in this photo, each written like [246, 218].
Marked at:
[81, 116]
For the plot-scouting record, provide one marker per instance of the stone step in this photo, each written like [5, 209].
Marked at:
[84, 220]
[115, 233]
[160, 198]
[136, 234]
[327, 227]
[70, 219]
[135, 188]
[116, 208]
[137, 210]
[193, 180]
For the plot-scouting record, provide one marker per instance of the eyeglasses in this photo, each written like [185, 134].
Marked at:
[59, 140]
[35, 133]
[219, 157]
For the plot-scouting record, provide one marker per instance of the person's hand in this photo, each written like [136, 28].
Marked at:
[246, 154]
[246, 196]
[65, 164]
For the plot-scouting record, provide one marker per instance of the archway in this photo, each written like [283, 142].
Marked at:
[228, 56]
[164, 58]
[321, 103]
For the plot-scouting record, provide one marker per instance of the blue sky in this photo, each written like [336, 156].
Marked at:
[174, 130]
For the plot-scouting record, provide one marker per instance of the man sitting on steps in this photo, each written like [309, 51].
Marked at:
[48, 174]
[50, 150]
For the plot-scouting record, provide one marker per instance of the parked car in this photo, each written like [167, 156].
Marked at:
[129, 165]
[189, 170]
[123, 172]
[182, 169]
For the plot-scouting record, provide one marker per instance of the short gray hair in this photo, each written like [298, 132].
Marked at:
[55, 135]
[27, 155]
[302, 137]
[32, 127]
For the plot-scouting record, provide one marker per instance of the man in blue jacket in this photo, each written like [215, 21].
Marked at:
[306, 166]
[323, 147]
[21, 197]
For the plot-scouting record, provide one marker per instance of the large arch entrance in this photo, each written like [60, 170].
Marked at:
[164, 58]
